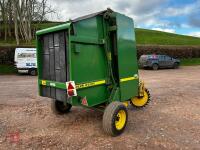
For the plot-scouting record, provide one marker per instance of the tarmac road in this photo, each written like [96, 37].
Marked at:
[171, 121]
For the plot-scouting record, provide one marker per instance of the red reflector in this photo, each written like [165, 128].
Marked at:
[70, 89]
[70, 86]
[84, 101]
[70, 92]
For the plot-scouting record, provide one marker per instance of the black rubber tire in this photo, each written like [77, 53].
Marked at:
[109, 117]
[155, 66]
[33, 72]
[149, 99]
[176, 66]
[59, 108]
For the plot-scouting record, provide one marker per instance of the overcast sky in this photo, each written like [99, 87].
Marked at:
[176, 16]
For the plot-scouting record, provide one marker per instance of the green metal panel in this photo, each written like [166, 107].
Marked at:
[86, 28]
[54, 29]
[89, 61]
[127, 56]
[39, 63]
[58, 85]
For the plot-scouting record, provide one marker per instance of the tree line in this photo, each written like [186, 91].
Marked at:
[17, 17]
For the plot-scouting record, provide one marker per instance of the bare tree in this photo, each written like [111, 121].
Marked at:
[0, 20]
[9, 17]
[4, 18]
[15, 22]
[22, 13]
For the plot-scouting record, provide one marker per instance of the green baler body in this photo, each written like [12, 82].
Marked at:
[98, 52]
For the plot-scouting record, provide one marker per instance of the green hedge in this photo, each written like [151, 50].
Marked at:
[7, 53]
[190, 61]
[173, 51]
[7, 69]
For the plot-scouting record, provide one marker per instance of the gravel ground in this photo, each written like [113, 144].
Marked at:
[170, 121]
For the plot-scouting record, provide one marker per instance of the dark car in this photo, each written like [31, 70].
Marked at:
[158, 61]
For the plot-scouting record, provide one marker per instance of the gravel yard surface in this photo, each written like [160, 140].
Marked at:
[170, 121]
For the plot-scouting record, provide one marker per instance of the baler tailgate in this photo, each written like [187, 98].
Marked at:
[54, 63]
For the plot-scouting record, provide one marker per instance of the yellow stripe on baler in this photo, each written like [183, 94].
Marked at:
[90, 84]
[128, 79]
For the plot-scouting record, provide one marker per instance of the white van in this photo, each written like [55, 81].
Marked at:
[26, 61]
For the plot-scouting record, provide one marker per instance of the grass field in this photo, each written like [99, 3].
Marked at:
[151, 37]
[12, 42]
[190, 62]
[7, 69]
[143, 36]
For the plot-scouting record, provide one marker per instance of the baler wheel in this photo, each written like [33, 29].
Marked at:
[115, 118]
[58, 107]
[140, 102]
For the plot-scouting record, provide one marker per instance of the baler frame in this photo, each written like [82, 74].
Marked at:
[111, 80]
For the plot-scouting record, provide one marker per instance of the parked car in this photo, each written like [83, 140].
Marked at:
[25, 60]
[158, 61]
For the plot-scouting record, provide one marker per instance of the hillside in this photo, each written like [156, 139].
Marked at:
[143, 37]
[152, 37]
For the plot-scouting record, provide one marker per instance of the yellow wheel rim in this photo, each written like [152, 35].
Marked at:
[121, 120]
[140, 101]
